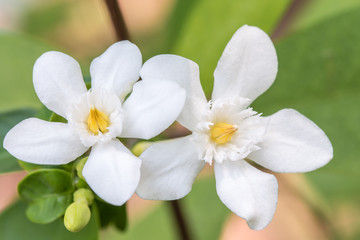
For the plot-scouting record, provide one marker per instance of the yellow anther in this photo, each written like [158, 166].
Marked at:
[97, 121]
[222, 132]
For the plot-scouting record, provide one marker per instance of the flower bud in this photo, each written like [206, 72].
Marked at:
[77, 216]
[80, 166]
[84, 195]
[140, 147]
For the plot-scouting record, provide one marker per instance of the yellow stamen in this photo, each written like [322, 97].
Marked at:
[222, 132]
[98, 121]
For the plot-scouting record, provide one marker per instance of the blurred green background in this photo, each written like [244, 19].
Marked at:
[318, 46]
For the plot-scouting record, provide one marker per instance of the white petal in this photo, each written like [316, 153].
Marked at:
[168, 169]
[185, 73]
[41, 142]
[112, 172]
[151, 108]
[58, 81]
[117, 69]
[293, 143]
[248, 192]
[247, 67]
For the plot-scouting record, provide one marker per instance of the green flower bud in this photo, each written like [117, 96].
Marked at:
[84, 195]
[140, 147]
[77, 216]
[80, 166]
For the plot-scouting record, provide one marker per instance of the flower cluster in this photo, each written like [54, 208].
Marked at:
[226, 132]
[96, 117]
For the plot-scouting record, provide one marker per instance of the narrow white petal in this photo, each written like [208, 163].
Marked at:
[151, 108]
[185, 73]
[58, 81]
[247, 67]
[112, 172]
[248, 192]
[293, 143]
[117, 69]
[41, 142]
[169, 169]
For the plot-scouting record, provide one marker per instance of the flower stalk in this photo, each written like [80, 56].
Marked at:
[179, 217]
[117, 20]
[123, 34]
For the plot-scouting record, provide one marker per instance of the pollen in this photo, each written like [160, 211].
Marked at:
[98, 121]
[222, 133]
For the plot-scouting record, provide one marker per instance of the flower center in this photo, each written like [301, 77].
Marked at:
[222, 132]
[98, 121]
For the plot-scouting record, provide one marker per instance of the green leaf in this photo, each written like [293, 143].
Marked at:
[319, 76]
[17, 57]
[112, 214]
[314, 12]
[8, 120]
[44, 114]
[49, 208]
[7, 162]
[29, 167]
[15, 226]
[210, 25]
[42, 19]
[50, 192]
[181, 11]
[45, 182]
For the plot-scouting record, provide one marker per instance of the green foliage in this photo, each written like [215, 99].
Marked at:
[17, 57]
[18, 100]
[50, 193]
[15, 226]
[42, 19]
[157, 224]
[7, 162]
[319, 76]
[44, 182]
[181, 11]
[29, 167]
[203, 209]
[210, 25]
[110, 214]
[57, 118]
[314, 12]
[44, 114]
[48, 208]
[8, 120]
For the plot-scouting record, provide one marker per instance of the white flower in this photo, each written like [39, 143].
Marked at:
[96, 117]
[228, 134]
